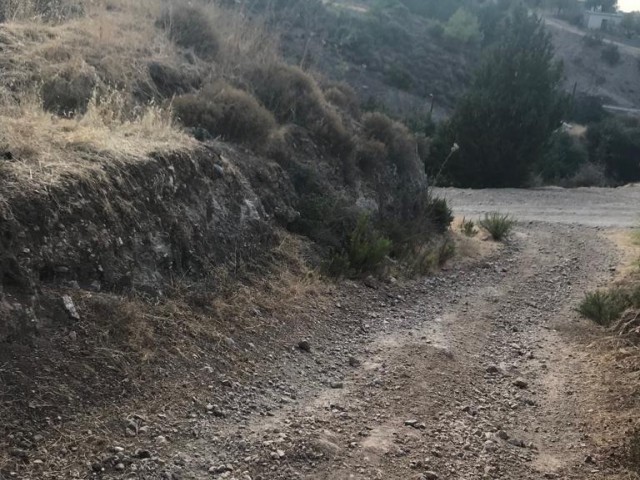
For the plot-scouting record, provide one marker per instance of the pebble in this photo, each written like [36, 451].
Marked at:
[520, 383]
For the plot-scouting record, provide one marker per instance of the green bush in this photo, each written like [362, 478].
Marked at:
[463, 27]
[190, 27]
[364, 253]
[611, 54]
[604, 307]
[498, 225]
[615, 144]
[468, 228]
[398, 78]
[227, 112]
[563, 158]
[367, 247]
[587, 109]
[439, 213]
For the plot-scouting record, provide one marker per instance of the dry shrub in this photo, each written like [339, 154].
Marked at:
[400, 143]
[370, 155]
[69, 91]
[192, 27]
[294, 97]
[344, 97]
[48, 10]
[277, 145]
[226, 111]
[122, 322]
[170, 81]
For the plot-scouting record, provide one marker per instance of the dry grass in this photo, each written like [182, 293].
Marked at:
[46, 148]
[113, 42]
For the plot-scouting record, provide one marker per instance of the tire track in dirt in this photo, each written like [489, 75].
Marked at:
[473, 378]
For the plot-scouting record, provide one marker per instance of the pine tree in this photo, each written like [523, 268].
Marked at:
[515, 103]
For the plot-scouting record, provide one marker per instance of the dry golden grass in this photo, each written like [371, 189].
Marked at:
[113, 41]
[47, 148]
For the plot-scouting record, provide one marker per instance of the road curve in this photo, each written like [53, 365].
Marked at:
[594, 207]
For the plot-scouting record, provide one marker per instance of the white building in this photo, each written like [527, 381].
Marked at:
[595, 20]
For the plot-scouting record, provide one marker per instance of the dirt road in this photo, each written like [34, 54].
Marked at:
[482, 371]
[630, 49]
[594, 207]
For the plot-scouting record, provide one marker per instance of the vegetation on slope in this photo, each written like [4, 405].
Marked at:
[514, 105]
[140, 69]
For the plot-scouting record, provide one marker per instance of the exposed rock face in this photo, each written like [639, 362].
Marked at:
[135, 225]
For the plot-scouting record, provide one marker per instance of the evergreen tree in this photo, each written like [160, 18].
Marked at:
[514, 105]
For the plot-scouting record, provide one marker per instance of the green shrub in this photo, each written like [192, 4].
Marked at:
[364, 252]
[399, 78]
[367, 247]
[190, 27]
[294, 97]
[436, 30]
[439, 213]
[611, 54]
[225, 111]
[498, 225]
[468, 228]
[615, 144]
[604, 307]
[562, 158]
[68, 92]
[587, 109]
[463, 27]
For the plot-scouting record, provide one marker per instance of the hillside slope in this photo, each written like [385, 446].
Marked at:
[399, 59]
[616, 84]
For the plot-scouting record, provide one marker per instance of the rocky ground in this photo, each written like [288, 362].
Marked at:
[483, 371]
